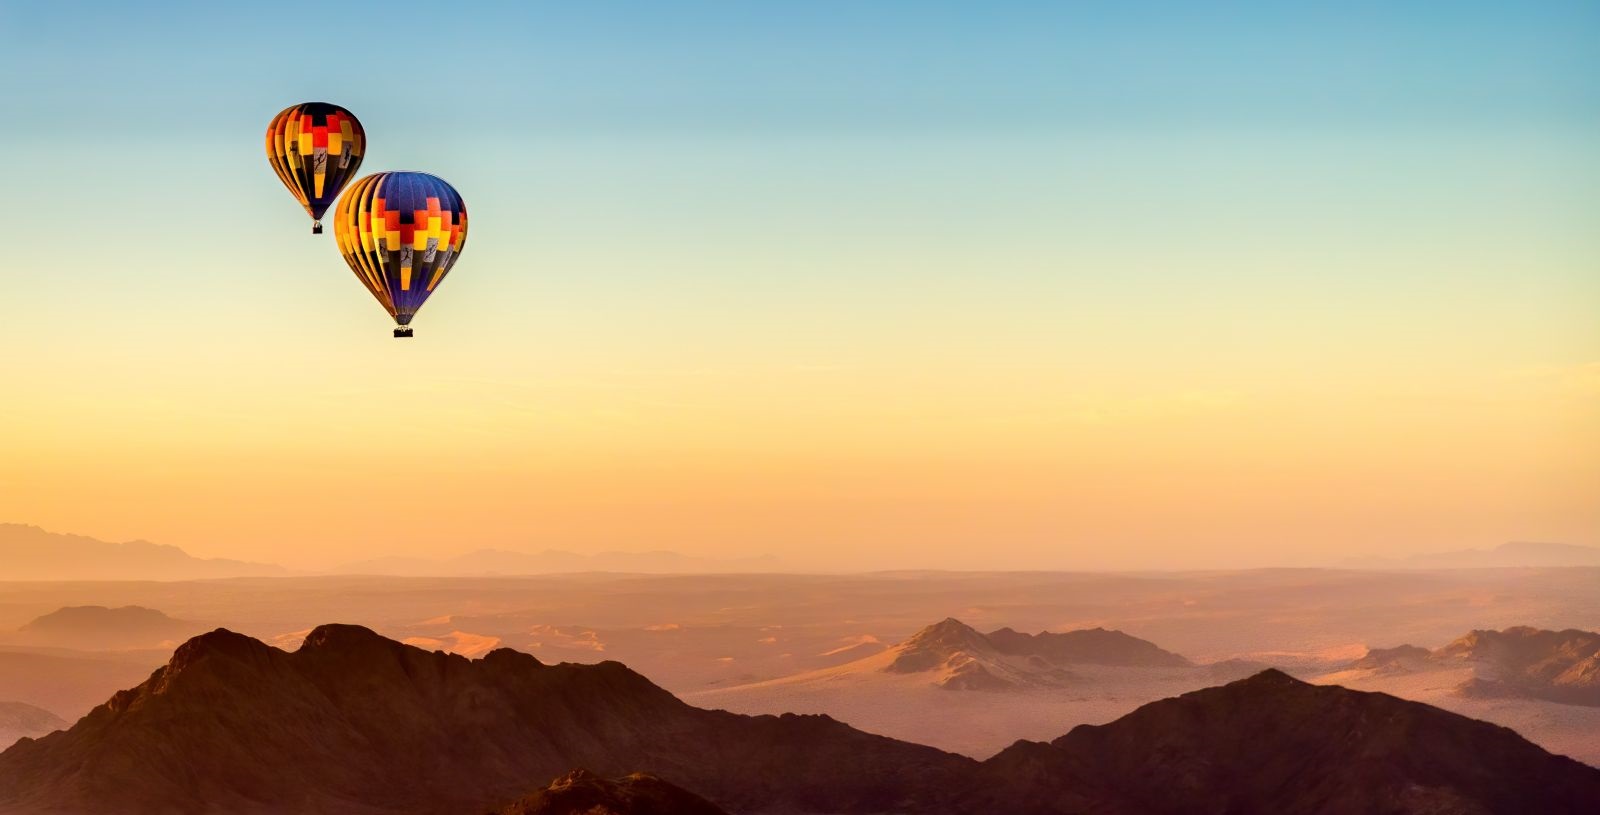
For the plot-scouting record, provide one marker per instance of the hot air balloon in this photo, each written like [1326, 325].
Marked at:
[316, 149]
[401, 233]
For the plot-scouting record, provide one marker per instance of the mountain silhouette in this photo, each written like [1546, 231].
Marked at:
[1274, 744]
[554, 561]
[584, 793]
[355, 723]
[102, 628]
[31, 553]
[365, 724]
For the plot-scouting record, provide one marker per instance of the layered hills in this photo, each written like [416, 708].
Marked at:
[355, 723]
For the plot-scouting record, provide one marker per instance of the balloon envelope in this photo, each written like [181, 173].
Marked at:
[400, 233]
[315, 148]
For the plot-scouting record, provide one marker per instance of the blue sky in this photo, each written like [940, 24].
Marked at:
[800, 223]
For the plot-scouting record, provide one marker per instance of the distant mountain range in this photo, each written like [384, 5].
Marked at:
[355, 723]
[31, 553]
[1515, 554]
[1520, 662]
[484, 562]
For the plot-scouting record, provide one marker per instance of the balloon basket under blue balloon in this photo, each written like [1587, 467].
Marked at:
[316, 227]
[402, 331]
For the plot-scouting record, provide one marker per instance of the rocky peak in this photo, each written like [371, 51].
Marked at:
[344, 637]
[940, 644]
[218, 643]
[948, 631]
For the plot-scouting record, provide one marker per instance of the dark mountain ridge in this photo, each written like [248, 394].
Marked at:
[355, 723]
[1274, 744]
[434, 732]
[581, 792]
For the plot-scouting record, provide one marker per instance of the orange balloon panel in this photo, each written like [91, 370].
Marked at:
[315, 148]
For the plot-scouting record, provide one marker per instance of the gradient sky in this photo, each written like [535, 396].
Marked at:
[860, 285]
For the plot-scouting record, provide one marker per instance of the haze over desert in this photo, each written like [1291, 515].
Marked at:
[825, 408]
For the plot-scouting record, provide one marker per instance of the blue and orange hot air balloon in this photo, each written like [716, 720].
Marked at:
[315, 148]
[401, 233]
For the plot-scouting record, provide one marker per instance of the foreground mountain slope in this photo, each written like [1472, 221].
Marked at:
[365, 724]
[1272, 743]
[584, 793]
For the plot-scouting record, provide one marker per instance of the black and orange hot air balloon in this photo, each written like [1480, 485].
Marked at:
[315, 148]
[400, 233]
